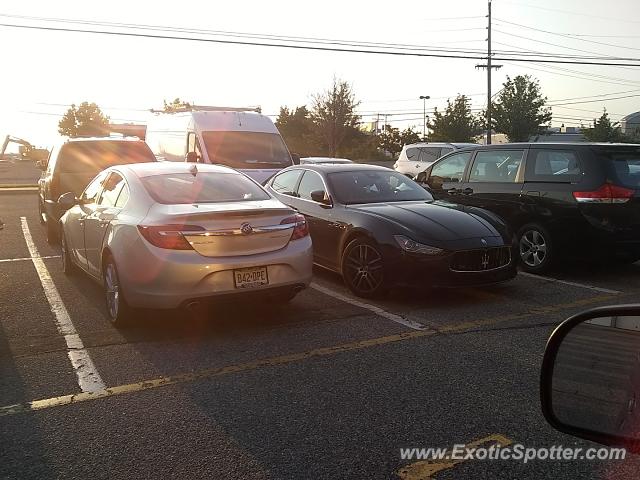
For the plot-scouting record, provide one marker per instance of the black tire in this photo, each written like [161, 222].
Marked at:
[363, 269]
[118, 310]
[51, 227]
[68, 267]
[535, 248]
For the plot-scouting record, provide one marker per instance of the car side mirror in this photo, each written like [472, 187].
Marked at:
[41, 165]
[191, 157]
[67, 200]
[590, 378]
[295, 158]
[320, 196]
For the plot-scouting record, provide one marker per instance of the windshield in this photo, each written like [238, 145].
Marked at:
[93, 157]
[623, 166]
[246, 150]
[375, 186]
[185, 188]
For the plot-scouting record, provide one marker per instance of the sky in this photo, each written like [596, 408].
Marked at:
[46, 71]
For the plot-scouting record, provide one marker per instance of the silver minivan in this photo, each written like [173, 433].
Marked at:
[416, 157]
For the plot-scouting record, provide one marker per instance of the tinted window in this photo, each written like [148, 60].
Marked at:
[413, 154]
[450, 169]
[246, 150]
[310, 182]
[623, 166]
[444, 151]
[183, 188]
[374, 186]
[429, 154]
[496, 166]
[285, 182]
[90, 194]
[94, 156]
[553, 166]
[111, 191]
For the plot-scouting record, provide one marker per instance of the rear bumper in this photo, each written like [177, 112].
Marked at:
[158, 278]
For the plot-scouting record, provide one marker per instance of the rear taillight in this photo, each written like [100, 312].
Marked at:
[607, 193]
[300, 229]
[169, 236]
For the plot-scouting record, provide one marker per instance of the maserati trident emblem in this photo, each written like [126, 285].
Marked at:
[485, 260]
[246, 229]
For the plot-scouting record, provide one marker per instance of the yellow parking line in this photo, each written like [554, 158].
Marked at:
[286, 359]
[425, 469]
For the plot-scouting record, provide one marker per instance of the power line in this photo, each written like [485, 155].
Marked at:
[314, 48]
[564, 35]
[574, 13]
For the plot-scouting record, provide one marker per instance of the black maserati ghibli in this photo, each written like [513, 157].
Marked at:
[379, 229]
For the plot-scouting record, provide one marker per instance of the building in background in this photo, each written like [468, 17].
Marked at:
[630, 125]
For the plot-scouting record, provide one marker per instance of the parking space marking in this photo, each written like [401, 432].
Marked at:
[573, 284]
[88, 377]
[24, 259]
[372, 308]
[285, 359]
[425, 469]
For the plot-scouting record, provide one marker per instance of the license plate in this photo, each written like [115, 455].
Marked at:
[250, 277]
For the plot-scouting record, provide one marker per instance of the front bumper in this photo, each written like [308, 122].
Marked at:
[152, 277]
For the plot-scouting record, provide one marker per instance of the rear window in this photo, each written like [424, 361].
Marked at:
[185, 188]
[623, 166]
[93, 157]
[561, 166]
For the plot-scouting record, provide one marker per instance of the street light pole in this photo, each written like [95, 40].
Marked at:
[424, 99]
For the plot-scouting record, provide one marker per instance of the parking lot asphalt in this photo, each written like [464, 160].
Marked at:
[329, 386]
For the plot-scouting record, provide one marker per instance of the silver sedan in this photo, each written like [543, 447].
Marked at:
[165, 235]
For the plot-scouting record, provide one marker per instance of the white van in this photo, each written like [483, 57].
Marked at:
[416, 157]
[239, 138]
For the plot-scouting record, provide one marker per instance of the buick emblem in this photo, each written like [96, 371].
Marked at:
[246, 229]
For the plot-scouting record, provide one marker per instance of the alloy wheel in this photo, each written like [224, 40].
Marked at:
[112, 290]
[364, 268]
[533, 248]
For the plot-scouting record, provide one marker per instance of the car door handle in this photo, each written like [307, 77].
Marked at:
[467, 191]
[453, 191]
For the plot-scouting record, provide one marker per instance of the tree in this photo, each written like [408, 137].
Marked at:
[297, 129]
[333, 113]
[175, 105]
[392, 140]
[603, 130]
[519, 110]
[87, 120]
[456, 124]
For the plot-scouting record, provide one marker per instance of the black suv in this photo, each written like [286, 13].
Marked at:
[73, 164]
[573, 200]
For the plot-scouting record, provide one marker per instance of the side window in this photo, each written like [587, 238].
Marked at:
[445, 150]
[123, 197]
[90, 194]
[413, 154]
[429, 154]
[496, 166]
[285, 183]
[553, 166]
[112, 188]
[193, 145]
[450, 169]
[311, 182]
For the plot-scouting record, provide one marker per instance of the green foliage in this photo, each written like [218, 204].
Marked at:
[456, 124]
[333, 114]
[175, 105]
[87, 120]
[603, 130]
[392, 140]
[519, 110]
[297, 129]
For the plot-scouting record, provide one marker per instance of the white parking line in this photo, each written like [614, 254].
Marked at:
[573, 284]
[372, 308]
[88, 377]
[5, 260]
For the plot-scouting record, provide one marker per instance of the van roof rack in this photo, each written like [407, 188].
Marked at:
[208, 108]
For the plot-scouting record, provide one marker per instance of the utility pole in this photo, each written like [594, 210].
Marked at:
[488, 66]
[424, 99]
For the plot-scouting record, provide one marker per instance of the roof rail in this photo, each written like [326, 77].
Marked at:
[207, 108]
